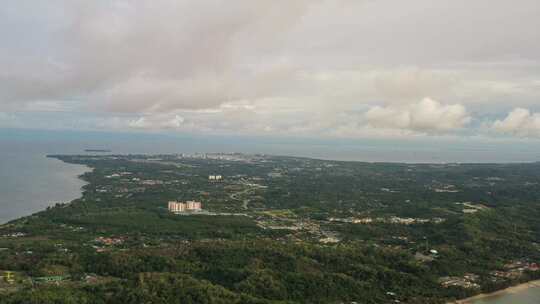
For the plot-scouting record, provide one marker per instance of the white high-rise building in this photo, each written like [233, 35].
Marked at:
[178, 207]
[193, 205]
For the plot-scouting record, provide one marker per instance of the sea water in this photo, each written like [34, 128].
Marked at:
[29, 182]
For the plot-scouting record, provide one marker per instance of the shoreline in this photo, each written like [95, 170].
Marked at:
[509, 290]
[76, 173]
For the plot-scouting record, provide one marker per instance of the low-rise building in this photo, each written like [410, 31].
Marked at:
[468, 282]
[109, 241]
[8, 277]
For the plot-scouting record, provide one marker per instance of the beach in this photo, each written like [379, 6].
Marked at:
[485, 298]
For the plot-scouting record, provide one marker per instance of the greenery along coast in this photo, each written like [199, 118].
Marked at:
[276, 230]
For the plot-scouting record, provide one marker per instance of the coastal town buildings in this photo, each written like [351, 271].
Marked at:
[188, 206]
[469, 281]
[109, 241]
[193, 205]
[215, 178]
[176, 207]
[8, 277]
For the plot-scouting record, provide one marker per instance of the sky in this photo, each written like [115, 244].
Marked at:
[337, 69]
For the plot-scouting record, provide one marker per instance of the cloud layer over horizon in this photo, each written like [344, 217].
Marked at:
[335, 68]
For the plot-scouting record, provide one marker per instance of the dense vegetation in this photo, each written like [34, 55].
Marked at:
[276, 230]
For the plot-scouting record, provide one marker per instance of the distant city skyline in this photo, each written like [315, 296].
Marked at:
[463, 70]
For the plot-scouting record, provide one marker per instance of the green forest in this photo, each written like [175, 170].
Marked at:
[276, 230]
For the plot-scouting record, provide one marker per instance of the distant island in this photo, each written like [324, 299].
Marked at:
[276, 230]
[97, 150]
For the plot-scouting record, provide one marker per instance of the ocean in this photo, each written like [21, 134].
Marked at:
[29, 182]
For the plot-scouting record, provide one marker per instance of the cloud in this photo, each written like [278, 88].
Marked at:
[520, 122]
[156, 122]
[310, 67]
[428, 116]
[424, 117]
[176, 122]
[139, 123]
[146, 55]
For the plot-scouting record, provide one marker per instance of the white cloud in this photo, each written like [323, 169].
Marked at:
[176, 122]
[424, 117]
[310, 67]
[156, 122]
[428, 116]
[519, 122]
[138, 123]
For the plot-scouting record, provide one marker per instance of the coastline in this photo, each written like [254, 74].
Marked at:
[509, 290]
[78, 176]
[64, 174]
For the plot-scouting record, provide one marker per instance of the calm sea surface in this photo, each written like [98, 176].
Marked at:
[29, 182]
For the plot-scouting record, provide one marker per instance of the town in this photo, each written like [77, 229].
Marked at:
[335, 224]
